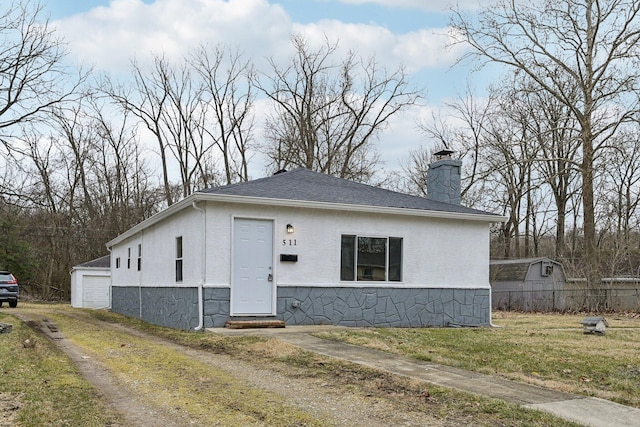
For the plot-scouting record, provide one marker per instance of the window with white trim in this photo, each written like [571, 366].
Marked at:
[371, 259]
[139, 257]
[179, 259]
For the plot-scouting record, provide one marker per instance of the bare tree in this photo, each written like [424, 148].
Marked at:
[590, 47]
[327, 114]
[196, 110]
[557, 135]
[33, 76]
[45, 200]
[463, 131]
[126, 190]
[414, 170]
[168, 102]
[73, 189]
[226, 80]
[508, 156]
[619, 190]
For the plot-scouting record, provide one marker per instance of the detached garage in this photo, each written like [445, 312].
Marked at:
[91, 284]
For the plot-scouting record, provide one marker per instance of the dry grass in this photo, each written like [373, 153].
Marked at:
[194, 389]
[449, 406]
[40, 386]
[550, 350]
[213, 397]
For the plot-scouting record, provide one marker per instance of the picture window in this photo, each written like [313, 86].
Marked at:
[371, 259]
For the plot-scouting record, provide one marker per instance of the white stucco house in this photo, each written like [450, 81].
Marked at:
[91, 284]
[308, 248]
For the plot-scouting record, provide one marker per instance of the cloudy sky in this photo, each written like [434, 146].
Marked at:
[107, 34]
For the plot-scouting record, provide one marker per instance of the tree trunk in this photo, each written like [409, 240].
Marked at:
[590, 247]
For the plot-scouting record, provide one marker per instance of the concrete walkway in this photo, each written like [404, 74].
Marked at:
[588, 411]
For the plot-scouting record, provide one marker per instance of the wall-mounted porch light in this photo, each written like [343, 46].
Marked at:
[289, 228]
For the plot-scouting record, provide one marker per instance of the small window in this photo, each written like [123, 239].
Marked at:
[371, 259]
[118, 262]
[395, 259]
[348, 258]
[139, 257]
[179, 259]
[128, 257]
[546, 269]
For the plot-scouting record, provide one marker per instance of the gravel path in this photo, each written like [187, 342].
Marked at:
[313, 396]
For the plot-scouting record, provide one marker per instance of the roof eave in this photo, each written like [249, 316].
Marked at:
[350, 207]
[79, 267]
[178, 206]
[196, 197]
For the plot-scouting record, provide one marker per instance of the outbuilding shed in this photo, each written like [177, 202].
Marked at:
[527, 284]
[91, 284]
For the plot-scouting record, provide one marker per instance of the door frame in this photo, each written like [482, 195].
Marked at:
[273, 265]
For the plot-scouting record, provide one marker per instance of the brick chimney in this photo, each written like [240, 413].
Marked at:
[443, 178]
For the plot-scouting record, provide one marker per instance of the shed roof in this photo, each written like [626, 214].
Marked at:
[513, 269]
[305, 185]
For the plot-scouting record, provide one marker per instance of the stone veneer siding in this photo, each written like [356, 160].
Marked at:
[444, 181]
[383, 307]
[175, 307]
[216, 307]
[380, 307]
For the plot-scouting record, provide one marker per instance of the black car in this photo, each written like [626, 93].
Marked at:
[8, 289]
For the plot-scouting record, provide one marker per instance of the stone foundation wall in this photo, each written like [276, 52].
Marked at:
[126, 300]
[383, 307]
[216, 307]
[175, 307]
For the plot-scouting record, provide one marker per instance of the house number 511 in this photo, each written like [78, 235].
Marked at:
[290, 242]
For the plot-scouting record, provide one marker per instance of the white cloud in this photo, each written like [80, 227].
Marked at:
[426, 48]
[109, 37]
[429, 5]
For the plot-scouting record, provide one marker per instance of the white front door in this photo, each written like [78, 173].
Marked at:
[252, 288]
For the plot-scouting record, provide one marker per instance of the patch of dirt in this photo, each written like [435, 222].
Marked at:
[9, 405]
[326, 398]
[130, 406]
[317, 396]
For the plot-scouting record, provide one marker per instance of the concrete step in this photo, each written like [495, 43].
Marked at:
[255, 323]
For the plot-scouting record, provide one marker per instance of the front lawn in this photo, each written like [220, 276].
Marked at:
[550, 350]
[40, 385]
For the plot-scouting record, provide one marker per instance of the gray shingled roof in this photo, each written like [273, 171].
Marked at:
[102, 262]
[305, 185]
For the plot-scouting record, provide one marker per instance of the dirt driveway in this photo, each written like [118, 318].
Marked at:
[326, 402]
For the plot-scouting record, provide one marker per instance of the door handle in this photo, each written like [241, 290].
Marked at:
[270, 277]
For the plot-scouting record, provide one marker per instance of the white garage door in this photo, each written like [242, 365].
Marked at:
[95, 291]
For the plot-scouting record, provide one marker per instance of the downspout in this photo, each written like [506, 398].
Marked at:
[110, 279]
[491, 309]
[204, 265]
[491, 306]
[140, 278]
